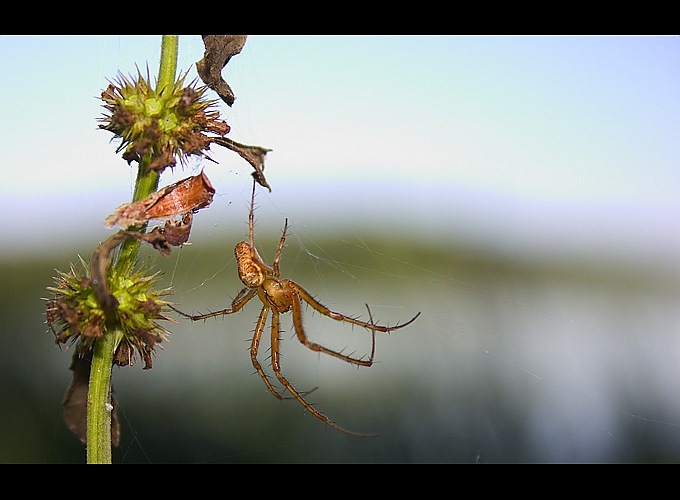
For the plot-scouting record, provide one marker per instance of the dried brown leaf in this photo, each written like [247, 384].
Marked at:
[254, 155]
[219, 49]
[75, 400]
[180, 198]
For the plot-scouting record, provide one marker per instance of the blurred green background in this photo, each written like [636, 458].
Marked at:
[509, 361]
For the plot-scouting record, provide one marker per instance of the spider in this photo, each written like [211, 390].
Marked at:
[279, 296]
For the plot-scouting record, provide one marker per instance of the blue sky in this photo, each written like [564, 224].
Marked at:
[577, 135]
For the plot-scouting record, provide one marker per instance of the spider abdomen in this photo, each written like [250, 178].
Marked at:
[249, 271]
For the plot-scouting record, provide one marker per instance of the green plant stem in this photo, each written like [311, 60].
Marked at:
[99, 405]
[168, 66]
[99, 391]
[147, 181]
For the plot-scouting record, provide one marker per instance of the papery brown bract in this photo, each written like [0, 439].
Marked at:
[178, 199]
[184, 197]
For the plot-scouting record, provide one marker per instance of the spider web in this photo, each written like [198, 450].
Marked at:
[508, 361]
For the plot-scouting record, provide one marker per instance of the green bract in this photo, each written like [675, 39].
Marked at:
[166, 123]
[75, 315]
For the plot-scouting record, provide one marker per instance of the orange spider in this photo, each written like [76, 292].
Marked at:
[281, 296]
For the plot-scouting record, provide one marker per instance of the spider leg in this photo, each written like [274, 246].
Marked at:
[251, 216]
[276, 366]
[241, 300]
[299, 330]
[254, 348]
[306, 296]
[278, 251]
[370, 317]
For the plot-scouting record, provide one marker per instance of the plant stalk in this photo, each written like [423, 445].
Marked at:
[99, 404]
[147, 181]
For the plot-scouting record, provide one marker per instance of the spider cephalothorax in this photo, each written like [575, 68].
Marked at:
[280, 296]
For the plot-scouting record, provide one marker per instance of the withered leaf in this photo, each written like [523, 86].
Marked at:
[180, 198]
[99, 267]
[254, 155]
[156, 238]
[176, 232]
[101, 261]
[219, 49]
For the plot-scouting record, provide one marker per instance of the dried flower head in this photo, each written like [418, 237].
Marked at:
[168, 123]
[75, 315]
